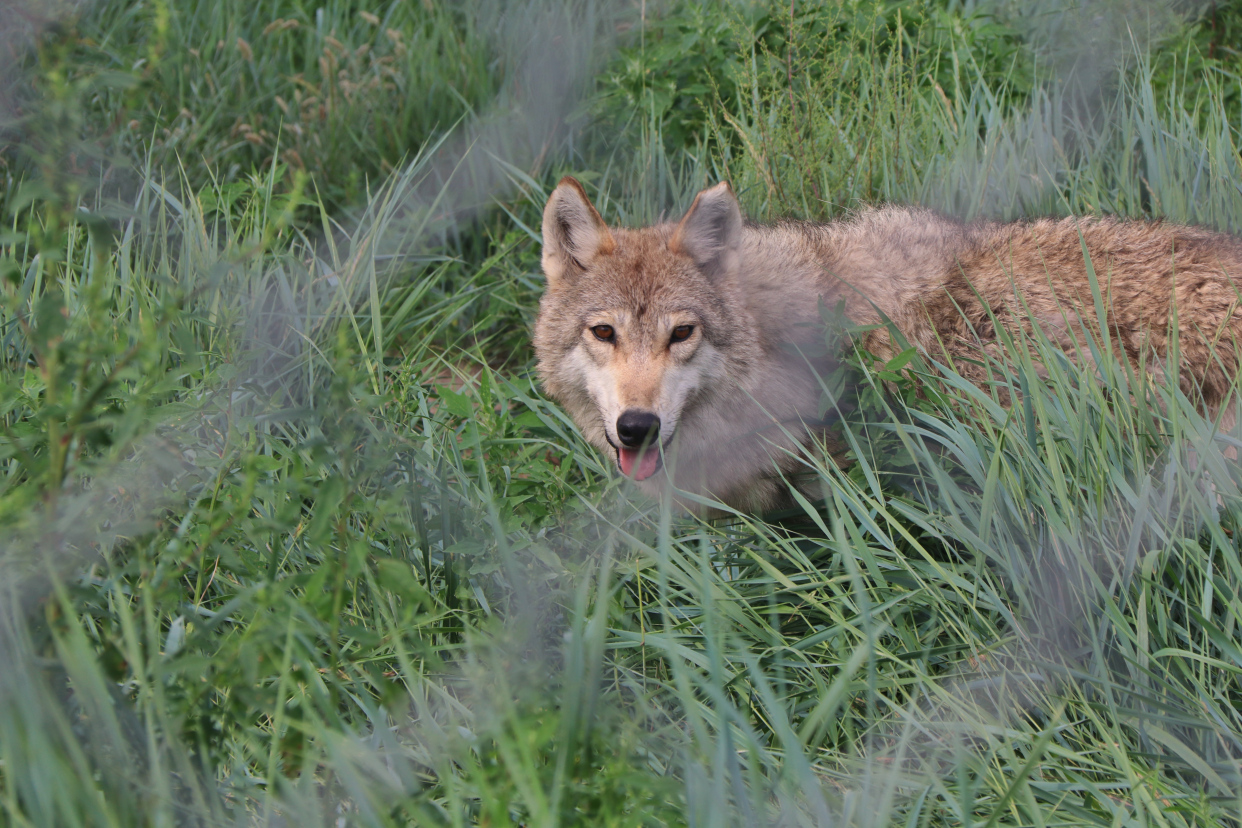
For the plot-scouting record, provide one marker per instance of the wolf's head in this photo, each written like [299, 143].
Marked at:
[640, 329]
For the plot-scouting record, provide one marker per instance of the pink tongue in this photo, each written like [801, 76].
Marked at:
[646, 465]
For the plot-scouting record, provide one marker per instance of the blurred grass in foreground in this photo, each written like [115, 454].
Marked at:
[284, 544]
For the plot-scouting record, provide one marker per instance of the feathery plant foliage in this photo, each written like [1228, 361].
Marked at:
[290, 533]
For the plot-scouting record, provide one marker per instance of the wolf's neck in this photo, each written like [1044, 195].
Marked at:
[787, 269]
[876, 262]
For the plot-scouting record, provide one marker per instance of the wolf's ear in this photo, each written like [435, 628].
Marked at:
[573, 232]
[711, 231]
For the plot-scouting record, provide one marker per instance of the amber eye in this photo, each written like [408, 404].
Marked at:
[604, 333]
[681, 333]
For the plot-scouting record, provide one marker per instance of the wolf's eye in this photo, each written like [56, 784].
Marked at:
[604, 333]
[681, 333]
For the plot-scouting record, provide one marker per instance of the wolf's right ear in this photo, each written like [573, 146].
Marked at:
[573, 232]
[711, 231]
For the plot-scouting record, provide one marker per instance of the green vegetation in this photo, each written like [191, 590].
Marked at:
[292, 536]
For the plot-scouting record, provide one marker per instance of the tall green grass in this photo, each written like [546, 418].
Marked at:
[291, 534]
[340, 91]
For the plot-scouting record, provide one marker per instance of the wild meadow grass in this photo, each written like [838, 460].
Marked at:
[291, 535]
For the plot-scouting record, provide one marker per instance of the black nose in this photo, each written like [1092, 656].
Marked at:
[636, 427]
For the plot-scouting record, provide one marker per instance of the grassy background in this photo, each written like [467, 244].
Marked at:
[291, 535]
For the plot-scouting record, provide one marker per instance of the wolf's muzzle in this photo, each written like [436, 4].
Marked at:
[639, 452]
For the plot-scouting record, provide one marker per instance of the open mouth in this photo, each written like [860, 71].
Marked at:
[639, 463]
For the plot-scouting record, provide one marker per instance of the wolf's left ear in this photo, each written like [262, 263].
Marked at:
[573, 232]
[711, 231]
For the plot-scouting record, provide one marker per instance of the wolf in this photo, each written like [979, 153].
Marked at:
[689, 350]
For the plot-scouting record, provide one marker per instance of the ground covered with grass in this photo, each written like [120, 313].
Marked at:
[289, 533]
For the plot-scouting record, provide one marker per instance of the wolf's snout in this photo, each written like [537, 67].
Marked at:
[639, 453]
[636, 427]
